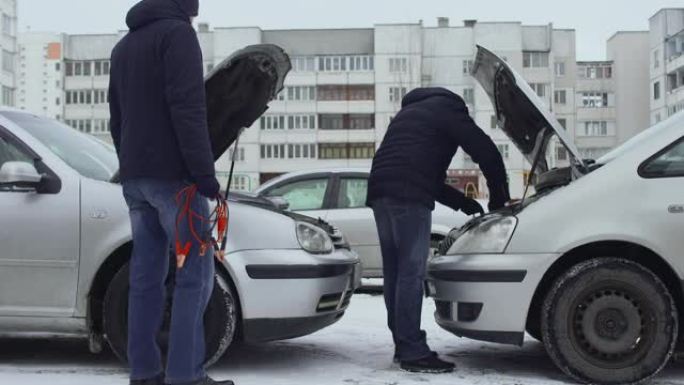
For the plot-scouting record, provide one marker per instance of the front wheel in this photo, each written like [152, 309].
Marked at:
[609, 321]
[220, 318]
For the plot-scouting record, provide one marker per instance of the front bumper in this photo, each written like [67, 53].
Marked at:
[291, 293]
[486, 297]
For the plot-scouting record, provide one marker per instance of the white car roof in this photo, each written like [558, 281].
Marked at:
[297, 174]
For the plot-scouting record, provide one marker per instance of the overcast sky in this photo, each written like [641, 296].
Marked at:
[594, 20]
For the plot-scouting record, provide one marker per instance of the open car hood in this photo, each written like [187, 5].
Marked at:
[239, 90]
[520, 112]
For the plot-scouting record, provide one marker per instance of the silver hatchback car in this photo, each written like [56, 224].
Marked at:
[65, 237]
[592, 264]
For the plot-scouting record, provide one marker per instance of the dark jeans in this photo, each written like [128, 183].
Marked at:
[153, 212]
[404, 230]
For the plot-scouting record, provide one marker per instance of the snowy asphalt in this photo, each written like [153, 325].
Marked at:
[355, 351]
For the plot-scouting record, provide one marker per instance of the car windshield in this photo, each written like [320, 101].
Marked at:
[90, 157]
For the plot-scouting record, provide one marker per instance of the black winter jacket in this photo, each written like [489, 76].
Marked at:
[157, 95]
[413, 159]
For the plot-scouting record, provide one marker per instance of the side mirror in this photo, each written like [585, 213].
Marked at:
[19, 174]
[279, 202]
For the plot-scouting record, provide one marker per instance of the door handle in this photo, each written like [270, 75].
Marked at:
[676, 209]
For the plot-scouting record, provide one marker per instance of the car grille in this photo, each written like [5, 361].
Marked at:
[444, 310]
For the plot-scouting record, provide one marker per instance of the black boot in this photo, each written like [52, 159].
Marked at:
[159, 380]
[429, 364]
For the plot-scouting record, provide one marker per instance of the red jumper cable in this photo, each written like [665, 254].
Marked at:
[219, 220]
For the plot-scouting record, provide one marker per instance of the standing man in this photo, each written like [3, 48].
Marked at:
[408, 176]
[159, 127]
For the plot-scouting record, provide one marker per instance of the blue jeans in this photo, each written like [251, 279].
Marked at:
[153, 213]
[404, 230]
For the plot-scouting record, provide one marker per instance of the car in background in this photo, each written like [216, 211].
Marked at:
[66, 237]
[591, 265]
[338, 196]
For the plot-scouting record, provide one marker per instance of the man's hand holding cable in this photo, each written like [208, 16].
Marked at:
[208, 186]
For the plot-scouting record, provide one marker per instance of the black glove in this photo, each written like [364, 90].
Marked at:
[471, 207]
[208, 186]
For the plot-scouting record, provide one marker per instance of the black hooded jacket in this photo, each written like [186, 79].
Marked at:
[412, 161]
[157, 95]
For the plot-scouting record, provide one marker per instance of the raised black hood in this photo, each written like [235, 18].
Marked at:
[520, 112]
[239, 90]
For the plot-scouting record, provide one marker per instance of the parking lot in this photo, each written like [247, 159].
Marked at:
[357, 350]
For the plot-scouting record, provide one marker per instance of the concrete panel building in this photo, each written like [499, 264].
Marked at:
[666, 63]
[347, 85]
[9, 45]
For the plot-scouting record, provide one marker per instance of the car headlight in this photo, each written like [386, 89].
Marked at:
[314, 239]
[489, 237]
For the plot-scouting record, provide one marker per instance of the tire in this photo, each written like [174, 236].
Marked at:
[534, 330]
[220, 318]
[609, 321]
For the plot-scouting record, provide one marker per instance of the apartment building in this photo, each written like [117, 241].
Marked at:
[41, 78]
[666, 63]
[347, 85]
[8, 43]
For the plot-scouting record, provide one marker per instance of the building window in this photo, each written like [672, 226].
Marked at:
[560, 69]
[656, 59]
[361, 63]
[493, 122]
[595, 70]
[398, 65]
[396, 94]
[594, 128]
[291, 122]
[301, 93]
[101, 68]
[304, 64]
[467, 67]
[656, 90]
[595, 99]
[360, 92]
[332, 63]
[533, 59]
[7, 61]
[347, 122]
[504, 150]
[7, 96]
[469, 96]
[346, 150]
[69, 68]
[58, 67]
[87, 68]
[539, 89]
[560, 97]
[7, 25]
[239, 155]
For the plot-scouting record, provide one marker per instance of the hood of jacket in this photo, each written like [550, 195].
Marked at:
[149, 11]
[420, 94]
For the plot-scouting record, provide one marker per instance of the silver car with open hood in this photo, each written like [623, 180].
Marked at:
[65, 237]
[591, 263]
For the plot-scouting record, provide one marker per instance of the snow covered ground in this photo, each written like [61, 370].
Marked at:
[355, 351]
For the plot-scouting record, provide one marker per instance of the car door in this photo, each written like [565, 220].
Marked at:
[308, 195]
[664, 188]
[349, 213]
[39, 240]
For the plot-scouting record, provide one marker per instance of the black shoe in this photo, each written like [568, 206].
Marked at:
[159, 380]
[429, 364]
[396, 359]
[209, 381]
